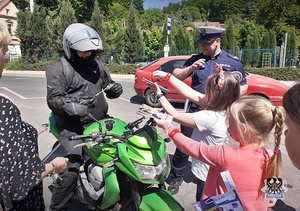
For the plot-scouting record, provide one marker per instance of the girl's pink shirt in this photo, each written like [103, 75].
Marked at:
[245, 165]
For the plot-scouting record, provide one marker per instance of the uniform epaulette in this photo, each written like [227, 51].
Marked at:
[233, 57]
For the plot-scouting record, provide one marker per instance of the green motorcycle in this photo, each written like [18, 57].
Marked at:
[125, 166]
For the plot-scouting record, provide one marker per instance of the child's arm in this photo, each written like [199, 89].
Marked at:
[182, 118]
[211, 154]
[182, 87]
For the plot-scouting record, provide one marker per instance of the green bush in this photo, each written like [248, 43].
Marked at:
[282, 74]
[122, 68]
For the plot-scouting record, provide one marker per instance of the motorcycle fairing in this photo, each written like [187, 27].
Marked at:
[154, 199]
[52, 123]
[112, 189]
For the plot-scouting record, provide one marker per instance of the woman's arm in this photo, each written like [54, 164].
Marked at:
[57, 165]
[210, 154]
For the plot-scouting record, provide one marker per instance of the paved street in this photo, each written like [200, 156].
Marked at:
[28, 92]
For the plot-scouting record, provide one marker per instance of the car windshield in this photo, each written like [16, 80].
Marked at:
[143, 67]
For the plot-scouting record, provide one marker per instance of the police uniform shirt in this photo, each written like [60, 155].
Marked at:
[227, 61]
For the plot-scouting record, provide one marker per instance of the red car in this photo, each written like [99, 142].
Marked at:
[257, 84]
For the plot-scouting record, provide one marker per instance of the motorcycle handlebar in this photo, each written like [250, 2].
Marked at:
[79, 137]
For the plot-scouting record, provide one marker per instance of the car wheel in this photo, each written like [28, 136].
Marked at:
[150, 99]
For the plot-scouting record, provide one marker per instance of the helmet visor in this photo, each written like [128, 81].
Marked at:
[85, 40]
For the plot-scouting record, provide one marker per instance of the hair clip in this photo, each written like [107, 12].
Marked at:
[221, 76]
[276, 151]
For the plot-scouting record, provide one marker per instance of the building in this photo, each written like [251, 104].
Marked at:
[8, 18]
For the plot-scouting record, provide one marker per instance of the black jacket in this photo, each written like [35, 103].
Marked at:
[71, 84]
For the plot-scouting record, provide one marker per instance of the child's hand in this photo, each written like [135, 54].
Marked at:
[155, 89]
[160, 122]
[158, 75]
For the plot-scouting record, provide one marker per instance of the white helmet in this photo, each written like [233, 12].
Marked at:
[81, 37]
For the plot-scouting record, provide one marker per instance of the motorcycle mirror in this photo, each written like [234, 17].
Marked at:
[75, 109]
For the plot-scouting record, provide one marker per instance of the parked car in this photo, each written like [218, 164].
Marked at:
[257, 85]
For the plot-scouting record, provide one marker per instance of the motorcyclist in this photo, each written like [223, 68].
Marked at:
[77, 78]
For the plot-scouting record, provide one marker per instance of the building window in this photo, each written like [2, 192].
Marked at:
[9, 28]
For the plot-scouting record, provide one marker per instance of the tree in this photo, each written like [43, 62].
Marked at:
[97, 22]
[182, 41]
[256, 51]
[266, 40]
[117, 12]
[271, 11]
[247, 55]
[230, 37]
[115, 41]
[32, 31]
[172, 8]
[153, 45]
[21, 4]
[134, 50]
[137, 4]
[58, 26]
[273, 42]
[152, 18]
[291, 47]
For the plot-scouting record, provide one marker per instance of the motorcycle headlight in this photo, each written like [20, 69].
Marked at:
[153, 173]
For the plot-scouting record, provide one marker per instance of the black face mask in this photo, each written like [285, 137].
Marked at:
[77, 61]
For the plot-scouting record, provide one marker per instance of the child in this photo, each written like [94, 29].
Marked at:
[250, 120]
[222, 89]
[291, 101]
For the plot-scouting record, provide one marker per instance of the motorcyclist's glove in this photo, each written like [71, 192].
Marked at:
[114, 90]
[89, 101]
[75, 109]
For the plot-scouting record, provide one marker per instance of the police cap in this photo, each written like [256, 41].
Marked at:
[209, 33]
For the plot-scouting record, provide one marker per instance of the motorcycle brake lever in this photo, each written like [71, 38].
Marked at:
[82, 145]
[55, 177]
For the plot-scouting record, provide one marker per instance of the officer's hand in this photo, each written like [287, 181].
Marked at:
[114, 91]
[89, 101]
[199, 64]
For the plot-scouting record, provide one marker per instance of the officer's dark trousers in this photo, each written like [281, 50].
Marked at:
[64, 188]
[180, 159]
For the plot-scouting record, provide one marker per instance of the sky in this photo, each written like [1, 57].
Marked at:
[158, 3]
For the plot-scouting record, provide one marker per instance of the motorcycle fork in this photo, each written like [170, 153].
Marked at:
[135, 194]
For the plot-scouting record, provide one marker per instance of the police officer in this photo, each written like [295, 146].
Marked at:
[200, 67]
[75, 83]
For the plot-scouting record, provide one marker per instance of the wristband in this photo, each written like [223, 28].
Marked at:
[168, 76]
[173, 133]
[162, 99]
[159, 96]
[53, 172]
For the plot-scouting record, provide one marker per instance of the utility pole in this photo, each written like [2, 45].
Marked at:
[169, 27]
[284, 54]
[31, 5]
